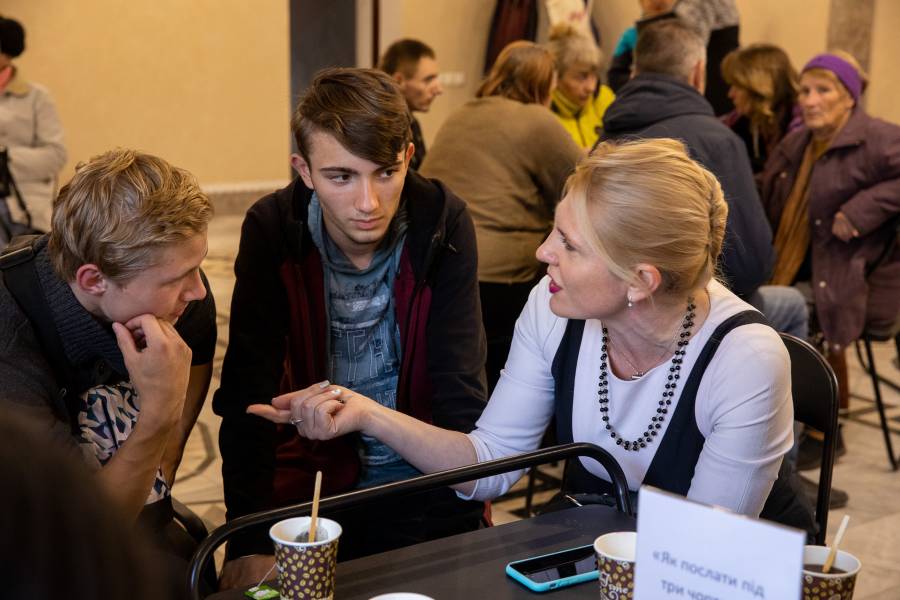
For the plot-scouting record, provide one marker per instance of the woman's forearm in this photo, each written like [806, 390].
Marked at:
[426, 447]
[324, 411]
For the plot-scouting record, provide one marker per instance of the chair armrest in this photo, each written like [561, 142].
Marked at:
[409, 486]
[188, 519]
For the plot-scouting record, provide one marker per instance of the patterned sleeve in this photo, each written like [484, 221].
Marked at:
[106, 419]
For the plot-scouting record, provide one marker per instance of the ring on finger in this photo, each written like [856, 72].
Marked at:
[296, 421]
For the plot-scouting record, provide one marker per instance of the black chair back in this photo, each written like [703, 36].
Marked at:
[882, 333]
[190, 521]
[890, 331]
[888, 250]
[815, 390]
[410, 486]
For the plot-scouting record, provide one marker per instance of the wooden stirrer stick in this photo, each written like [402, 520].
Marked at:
[314, 516]
[832, 554]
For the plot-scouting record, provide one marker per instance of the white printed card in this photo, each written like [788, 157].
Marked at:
[690, 551]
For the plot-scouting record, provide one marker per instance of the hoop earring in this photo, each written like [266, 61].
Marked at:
[630, 303]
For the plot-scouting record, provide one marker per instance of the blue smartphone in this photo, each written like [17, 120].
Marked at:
[559, 569]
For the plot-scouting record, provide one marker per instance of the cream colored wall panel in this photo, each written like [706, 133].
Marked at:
[884, 89]
[798, 26]
[612, 18]
[204, 83]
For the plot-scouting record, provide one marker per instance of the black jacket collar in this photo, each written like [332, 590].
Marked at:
[431, 208]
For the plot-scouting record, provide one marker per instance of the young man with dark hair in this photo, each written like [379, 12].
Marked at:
[412, 64]
[363, 273]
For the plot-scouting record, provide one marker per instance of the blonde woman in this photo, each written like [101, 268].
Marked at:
[579, 99]
[507, 156]
[763, 87]
[629, 341]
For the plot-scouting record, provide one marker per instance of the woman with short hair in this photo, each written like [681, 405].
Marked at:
[763, 88]
[629, 342]
[507, 156]
[579, 99]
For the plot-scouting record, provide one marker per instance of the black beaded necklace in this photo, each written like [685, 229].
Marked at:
[674, 374]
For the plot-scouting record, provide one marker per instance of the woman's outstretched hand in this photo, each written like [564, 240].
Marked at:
[320, 412]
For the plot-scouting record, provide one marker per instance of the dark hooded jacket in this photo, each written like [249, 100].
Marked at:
[277, 342]
[660, 106]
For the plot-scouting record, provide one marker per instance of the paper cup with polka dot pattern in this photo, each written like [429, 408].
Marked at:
[615, 563]
[305, 569]
[829, 586]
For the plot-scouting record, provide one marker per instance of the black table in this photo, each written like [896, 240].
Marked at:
[472, 565]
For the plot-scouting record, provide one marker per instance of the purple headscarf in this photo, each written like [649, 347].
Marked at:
[844, 71]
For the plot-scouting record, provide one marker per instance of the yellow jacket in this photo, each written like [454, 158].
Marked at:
[585, 125]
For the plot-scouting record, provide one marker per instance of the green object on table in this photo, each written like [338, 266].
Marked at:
[262, 592]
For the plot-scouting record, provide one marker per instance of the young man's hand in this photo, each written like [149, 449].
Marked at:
[159, 364]
[246, 571]
[320, 412]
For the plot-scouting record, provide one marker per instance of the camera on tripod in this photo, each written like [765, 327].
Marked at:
[6, 181]
[9, 227]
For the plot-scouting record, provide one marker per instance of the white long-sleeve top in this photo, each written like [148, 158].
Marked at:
[743, 405]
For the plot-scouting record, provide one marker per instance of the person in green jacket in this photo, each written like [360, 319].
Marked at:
[579, 99]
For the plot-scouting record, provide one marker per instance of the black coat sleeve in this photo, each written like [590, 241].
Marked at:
[747, 254]
[619, 70]
[251, 373]
[456, 341]
[197, 327]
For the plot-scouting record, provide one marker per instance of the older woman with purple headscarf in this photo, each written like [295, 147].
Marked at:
[832, 193]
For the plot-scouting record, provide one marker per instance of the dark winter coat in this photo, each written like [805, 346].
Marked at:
[277, 343]
[859, 175]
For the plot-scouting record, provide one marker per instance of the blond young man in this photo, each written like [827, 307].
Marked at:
[108, 327]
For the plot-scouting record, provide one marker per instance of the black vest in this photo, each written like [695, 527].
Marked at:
[672, 467]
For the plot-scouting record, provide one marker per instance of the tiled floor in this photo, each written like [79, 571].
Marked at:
[874, 533]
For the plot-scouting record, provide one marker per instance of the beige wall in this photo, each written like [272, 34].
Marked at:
[798, 26]
[612, 18]
[203, 83]
[884, 90]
